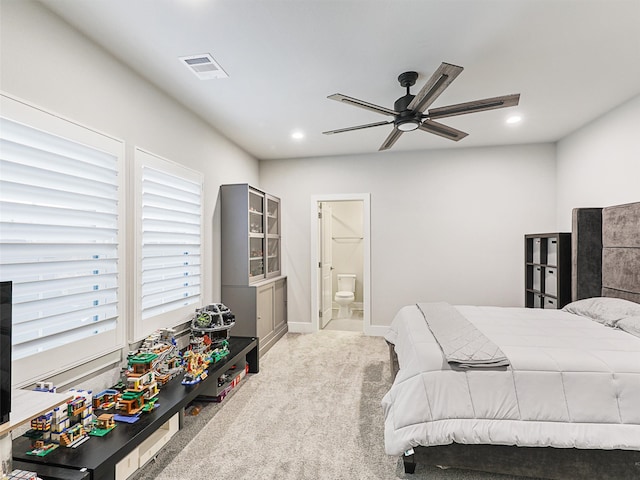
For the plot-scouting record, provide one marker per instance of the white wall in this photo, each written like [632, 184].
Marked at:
[347, 247]
[47, 63]
[599, 165]
[446, 225]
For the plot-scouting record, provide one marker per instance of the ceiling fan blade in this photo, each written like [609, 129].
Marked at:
[442, 130]
[391, 139]
[359, 127]
[442, 77]
[475, 106]
[362, 104]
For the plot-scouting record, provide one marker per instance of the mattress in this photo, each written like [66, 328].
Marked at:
[572, 383]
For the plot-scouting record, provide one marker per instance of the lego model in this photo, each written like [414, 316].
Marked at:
[45, 387]
[232, 378]
[103, 425]
[40, 435]
[130, 403]
[106, 400]
[77, 420]
[218, 353]
[195, 365]
[167, 364]
[141, 385]
[18, 474]
[213, 318]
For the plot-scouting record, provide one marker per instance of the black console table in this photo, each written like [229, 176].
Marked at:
[102, 457]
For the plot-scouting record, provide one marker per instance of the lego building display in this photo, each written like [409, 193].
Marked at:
[209, 341]
[155, 362]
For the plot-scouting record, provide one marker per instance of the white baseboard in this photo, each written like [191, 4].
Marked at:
[300, 327]
[376, 330]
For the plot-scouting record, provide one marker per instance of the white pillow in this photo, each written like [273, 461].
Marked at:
[605, 310]
[630, 325]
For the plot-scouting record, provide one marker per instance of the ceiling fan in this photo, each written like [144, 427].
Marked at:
[409, 110]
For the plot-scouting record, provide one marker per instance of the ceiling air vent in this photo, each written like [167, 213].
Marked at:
[204, 66]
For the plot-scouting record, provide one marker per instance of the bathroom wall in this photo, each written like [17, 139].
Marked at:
[347, 244]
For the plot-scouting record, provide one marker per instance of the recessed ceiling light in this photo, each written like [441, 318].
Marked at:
[513, 119]
[297, 135]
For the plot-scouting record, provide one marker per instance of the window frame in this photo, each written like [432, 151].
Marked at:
[139, 327]
[63, 358]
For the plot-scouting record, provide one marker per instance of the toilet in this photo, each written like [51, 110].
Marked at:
[345, 294]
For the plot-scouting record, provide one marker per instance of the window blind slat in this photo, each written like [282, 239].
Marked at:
[150, 263]
[86, 156]
[150, 312]
[32, 233]
[157, 179]
[60, 217]
[159, 199]
[61, 287]
[33, 158]
[166, 214]
[42, 344]
[175, 238]
[164, 226]
[44, 178]
[50, 252]
[55, 197]
[176, 273]
[170, 250]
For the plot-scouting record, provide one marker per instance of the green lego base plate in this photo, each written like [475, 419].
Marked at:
[41, 452]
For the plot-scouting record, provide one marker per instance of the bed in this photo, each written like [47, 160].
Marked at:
[567, 406]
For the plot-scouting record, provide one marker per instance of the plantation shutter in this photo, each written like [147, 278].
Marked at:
[59, 237]
[171, 238]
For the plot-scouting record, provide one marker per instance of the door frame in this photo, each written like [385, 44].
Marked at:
[315, 255]
[325, 278]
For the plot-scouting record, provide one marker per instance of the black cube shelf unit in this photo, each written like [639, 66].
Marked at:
[547, 270]
[117, 455]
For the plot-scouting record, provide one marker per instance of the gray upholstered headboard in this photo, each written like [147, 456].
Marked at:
[606, 252]
[621, 251]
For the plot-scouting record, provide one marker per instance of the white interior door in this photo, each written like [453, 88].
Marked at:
[326, 283]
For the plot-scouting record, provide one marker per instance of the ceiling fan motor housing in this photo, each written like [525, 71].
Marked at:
[402, 103]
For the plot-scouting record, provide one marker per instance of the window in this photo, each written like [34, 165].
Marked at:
[60, 235]
[169, 230]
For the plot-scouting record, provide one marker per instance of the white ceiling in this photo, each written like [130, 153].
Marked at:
[571, 61]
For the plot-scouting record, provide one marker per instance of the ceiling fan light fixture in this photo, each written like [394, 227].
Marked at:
[407, 124]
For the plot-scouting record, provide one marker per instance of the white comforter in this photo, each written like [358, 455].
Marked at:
[572, 383]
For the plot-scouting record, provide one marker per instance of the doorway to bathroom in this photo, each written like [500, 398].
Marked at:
[340, 237]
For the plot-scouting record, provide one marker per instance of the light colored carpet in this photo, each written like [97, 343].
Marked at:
[313, 412]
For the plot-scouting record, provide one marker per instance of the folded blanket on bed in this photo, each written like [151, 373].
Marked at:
[463, 345]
